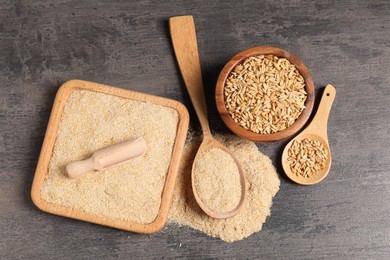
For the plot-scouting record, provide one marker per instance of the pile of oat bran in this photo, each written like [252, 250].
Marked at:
[262, 185]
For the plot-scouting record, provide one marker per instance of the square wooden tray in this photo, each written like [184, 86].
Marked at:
[50, 137]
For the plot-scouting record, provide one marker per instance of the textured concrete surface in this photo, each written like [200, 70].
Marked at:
[127, 44]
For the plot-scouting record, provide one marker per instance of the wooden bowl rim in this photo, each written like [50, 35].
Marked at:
[264, 50]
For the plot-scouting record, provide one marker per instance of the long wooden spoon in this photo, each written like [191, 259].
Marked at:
[182, 29]
[317, 131]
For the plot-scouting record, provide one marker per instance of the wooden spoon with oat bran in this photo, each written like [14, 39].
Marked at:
[182, 29]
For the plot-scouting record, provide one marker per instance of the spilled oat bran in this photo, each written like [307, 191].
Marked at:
[262, 185]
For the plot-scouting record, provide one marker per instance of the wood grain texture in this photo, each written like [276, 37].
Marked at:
[183, 35]
[127, 44]
[239, 58]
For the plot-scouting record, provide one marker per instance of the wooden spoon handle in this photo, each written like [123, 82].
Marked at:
[319, 124]
[182, 29]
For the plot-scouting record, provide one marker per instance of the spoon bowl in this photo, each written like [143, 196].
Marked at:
[208, 143]
[182, 29]
[317, 131]
[320, 175]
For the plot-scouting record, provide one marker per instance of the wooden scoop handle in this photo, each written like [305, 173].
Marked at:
[108, 157]
[183, 34]
[319, 124]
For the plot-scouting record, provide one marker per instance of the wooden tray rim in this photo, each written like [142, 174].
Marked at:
[48, 145]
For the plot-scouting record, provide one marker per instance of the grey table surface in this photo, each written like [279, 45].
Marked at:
[127, 44]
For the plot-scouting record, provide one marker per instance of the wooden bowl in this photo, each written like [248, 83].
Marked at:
[236, 128]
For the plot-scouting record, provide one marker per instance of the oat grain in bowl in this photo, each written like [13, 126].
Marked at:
[265, 94]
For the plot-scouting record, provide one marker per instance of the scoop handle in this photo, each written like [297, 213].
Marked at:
[79, 168]
[319, 124]
[108, 157]
[183, 34]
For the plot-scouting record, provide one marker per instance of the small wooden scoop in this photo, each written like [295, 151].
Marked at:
[317, 130]
[183, 36]
[108, 157]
